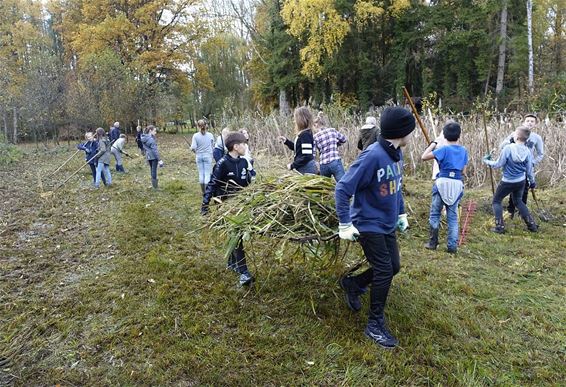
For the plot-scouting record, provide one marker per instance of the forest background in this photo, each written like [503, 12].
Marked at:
[69, 65]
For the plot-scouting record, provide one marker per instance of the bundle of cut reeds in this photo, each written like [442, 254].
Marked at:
[292, 207]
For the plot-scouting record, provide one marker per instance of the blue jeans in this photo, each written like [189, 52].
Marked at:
[102, 168]
[333, 168]
[451, 216]
[204, 165]
[309, 167]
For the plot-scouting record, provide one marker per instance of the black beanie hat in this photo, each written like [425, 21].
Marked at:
[234, 138]
[396, 122]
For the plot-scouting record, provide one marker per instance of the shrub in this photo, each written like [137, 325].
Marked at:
[9, 153]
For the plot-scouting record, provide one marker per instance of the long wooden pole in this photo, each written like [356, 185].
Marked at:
[487, 147]
[65, 163]
[73, 174]
[416, 114]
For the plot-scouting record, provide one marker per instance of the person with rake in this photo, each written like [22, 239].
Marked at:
[536, 146]
[374, 180]
[102, 159]
[517, 164]
[448, 187]
[118, 150]
[151, 153]
[229, 176]
[90, 147]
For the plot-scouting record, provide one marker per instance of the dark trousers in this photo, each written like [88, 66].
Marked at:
[153, 168]
[511, 206]
[93, 171]
[237, 260]
[382, 253]
[504, 189]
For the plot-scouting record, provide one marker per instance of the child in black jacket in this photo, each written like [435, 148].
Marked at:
[229, 176]
[304, 142]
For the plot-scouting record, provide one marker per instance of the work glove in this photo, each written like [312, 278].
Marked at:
[402, 222]
[348, 231]
[533, 185]
[487, 157]
[161, 163]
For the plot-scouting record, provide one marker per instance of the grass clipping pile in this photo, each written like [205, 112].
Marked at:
[291, 208]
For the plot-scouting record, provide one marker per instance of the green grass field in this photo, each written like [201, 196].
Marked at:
[118, 286]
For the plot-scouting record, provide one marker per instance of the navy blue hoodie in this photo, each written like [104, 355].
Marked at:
[374, 180]
[303, 148]
[226, 169]
[90, 148]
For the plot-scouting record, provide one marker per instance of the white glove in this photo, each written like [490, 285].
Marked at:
[348, 232]
[290, 166]
[160, 163]
[402, 222]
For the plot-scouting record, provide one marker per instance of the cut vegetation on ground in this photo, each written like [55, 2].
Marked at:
[119, 286]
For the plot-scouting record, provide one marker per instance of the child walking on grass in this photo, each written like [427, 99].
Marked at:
[303, 146]
[374, 182]
[103, 159]
[517, 164]
[229, 176]
[448, 187]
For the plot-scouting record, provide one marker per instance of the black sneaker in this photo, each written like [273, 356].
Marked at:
[379, 333]
[498, 230]
[351, 297]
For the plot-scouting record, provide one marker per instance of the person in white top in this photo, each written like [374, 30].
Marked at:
[202, 144]
[117, 150]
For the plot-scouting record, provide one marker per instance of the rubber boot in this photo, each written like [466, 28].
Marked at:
[433, 239]
[499, 226]
[531, 225]
[154, 183]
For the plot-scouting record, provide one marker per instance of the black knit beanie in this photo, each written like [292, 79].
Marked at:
[396, 122]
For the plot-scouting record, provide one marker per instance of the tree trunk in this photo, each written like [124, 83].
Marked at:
[558, 39]
[502, 50]
[5, 120]
[15, 133]
[530, 43]
[284, 108]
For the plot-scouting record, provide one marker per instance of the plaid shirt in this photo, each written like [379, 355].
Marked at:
[327, 142]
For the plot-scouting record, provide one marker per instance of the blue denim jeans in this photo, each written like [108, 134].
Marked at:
[204, 165]
[333, 168]
[309, 167]
[102, 168]
[451, 216]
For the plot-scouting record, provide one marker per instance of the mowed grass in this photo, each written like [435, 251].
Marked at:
[122, 286]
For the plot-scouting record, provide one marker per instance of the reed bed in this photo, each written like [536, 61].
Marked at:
[264, 130]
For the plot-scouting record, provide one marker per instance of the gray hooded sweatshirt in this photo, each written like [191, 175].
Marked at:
[516, 160]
